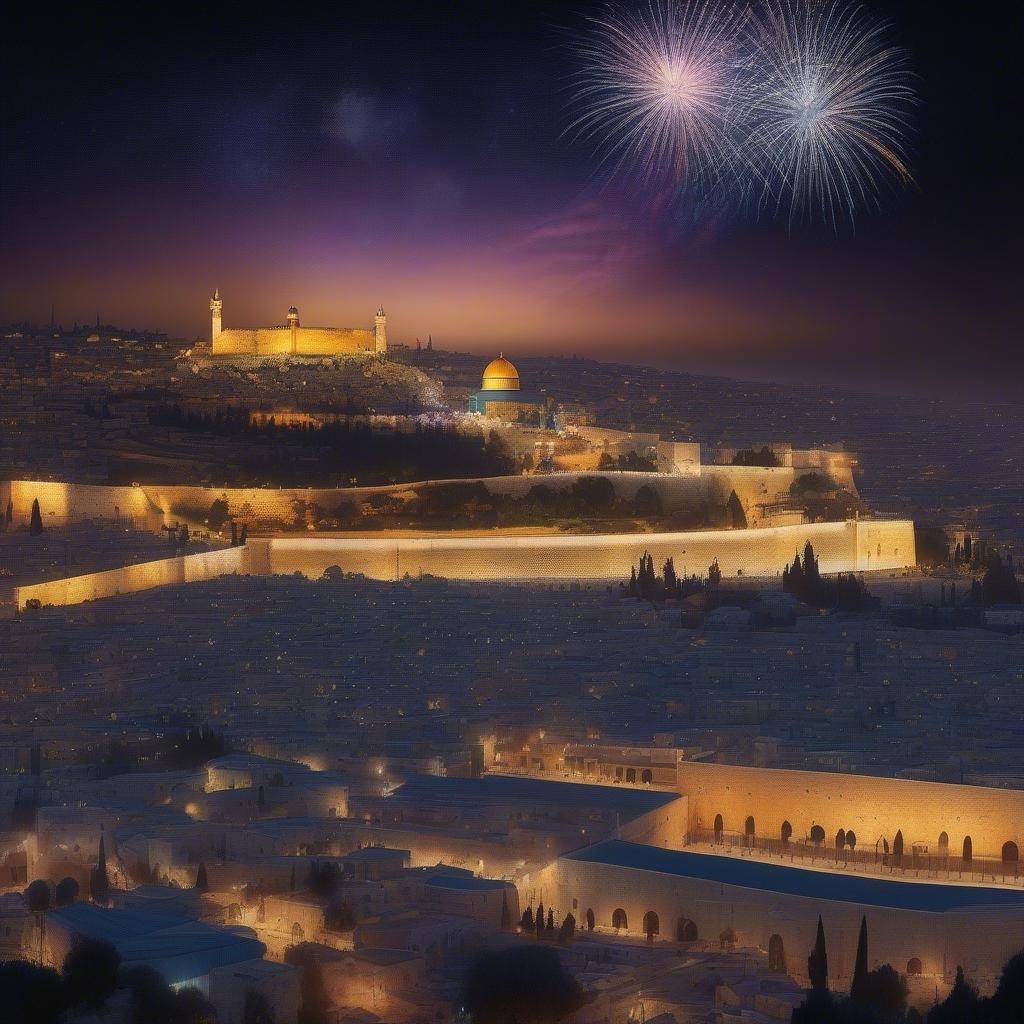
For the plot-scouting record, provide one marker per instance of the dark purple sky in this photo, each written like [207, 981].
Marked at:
[414, 155]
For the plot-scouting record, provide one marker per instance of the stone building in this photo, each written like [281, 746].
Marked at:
[294, 339]
[501, 395]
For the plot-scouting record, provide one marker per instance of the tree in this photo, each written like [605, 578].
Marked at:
[526, 922]
[202, 885]
[38, 896]
[192, 1007]
[714, 575]
[520, 985]
[257, 1009]
[99, 882]
[1007, 1003]
[734, 508]
[817, 962]
[315, 1002]
[66, 892]
[90, 973]
[567, 931]
[885, 992]
[30, 994]
[858, 989]
[506, 914]
[551, 924]
[961, 1006]
[35, 524]
[590, 920]
[538, 920]
[897, 848]
[647, 501]
[218, 514]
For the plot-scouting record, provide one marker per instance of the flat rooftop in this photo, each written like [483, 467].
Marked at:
[928, 897]
[491, 789]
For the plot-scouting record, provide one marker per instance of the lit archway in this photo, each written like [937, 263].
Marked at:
[631, 775]
[968, 851]
[914, 967]
[1010, 857]
[776, 955]
[652, 926]
[590, 920]
[647, 776]
[719, 828]
[619, 919]
[686, 930]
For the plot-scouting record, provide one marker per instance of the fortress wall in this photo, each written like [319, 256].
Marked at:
[132, 578]
[980, 940]
[872, 807]
[62, 502]
[319, 341]
[882, 544]
[665, 826]
[752, 552]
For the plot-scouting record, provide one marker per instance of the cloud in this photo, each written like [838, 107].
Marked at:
[586, 247]
[365, 122]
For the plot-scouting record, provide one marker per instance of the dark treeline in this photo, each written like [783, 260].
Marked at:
[647, 584]
[764, 457]
[879, 996]
[845, 592]
[311, 454]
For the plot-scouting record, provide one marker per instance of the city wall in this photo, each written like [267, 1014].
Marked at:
[132, 578]
[874, 808]
[980, 940]
[269, 508]
[840, 547]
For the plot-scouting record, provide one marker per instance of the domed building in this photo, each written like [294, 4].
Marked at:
[501, 395]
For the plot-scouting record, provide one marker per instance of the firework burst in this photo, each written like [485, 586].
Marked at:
[656, 90]
[827, 109]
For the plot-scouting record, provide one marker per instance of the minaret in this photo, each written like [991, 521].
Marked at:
[380, 332]
[216, 306]
[293, 323]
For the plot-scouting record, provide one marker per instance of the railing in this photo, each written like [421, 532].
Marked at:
[912, 863]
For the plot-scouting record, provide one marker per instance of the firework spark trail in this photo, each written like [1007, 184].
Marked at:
[829, 106]
[798, 104]
[657, 88]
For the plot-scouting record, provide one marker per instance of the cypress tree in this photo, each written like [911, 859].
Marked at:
[527, 920]
[100, 880]
[859, 992]
[35, 525]
[202, 885]
[817, 962]
[506, 915]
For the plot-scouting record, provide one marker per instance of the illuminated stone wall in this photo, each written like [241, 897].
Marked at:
[752, 552]
[980, 940]
[132, 578]
[309, 341]
[872, 807]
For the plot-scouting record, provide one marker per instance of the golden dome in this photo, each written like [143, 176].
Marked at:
[500, 375]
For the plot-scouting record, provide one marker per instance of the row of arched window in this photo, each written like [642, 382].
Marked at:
[1010, 853]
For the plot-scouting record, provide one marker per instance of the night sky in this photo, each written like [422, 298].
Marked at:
[416, 156]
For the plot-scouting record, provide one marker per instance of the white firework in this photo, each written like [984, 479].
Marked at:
[657, 89]
[827, 109]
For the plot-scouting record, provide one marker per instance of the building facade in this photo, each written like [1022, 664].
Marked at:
[294, 339]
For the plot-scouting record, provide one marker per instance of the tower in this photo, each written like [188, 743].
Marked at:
[380, 332]
[293, 323]
[216, 306]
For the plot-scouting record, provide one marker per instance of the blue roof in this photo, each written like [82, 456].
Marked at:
[510, 788]
[179, 948]
[930, 897]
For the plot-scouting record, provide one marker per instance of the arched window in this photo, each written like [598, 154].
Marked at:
[719, 828]
[817, 835]
[297, 933]
[647, 776]
[619, 919]
[913, 966]
[728, 938]
[943, 844]
[748, 827]
[787, 831]
[686, 930]
[652, 926]
[631, 775]
[1011, 856]
[776, 955]
[590, 920]
[968, 853]
[841, 839]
